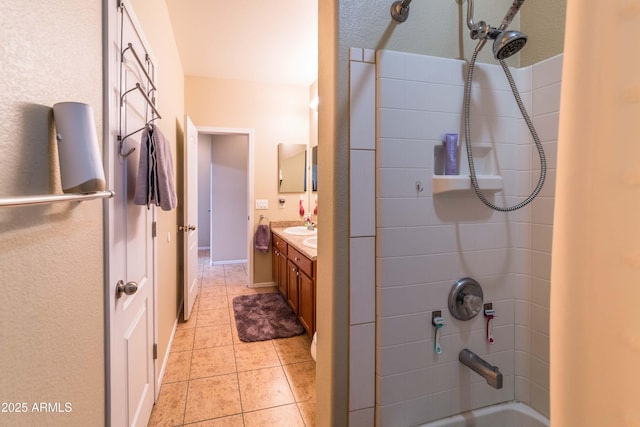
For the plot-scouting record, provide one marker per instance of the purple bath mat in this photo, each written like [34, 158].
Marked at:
[266, 316]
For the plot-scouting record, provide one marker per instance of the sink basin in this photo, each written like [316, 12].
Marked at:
[300, 230]
[311, 242]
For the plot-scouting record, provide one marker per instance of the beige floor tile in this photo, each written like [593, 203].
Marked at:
[232, 421]
[213, 303]
[191, 323]
[308, 411]
[178, 367]
[211, 361]
[255, 355]
[169, 410]
[238, 289]
[264, 388]
[294, 350]
[239, 268]
[212, 336]
[183, 339]
[280, 416]
[302, 379]
[212, 397]
[213, 317]
[212, 291]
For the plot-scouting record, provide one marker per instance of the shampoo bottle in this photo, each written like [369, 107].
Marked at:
[451, 156]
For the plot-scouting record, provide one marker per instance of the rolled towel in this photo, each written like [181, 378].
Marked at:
[263, 238]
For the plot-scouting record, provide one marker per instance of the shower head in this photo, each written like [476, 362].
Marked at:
[508, 43]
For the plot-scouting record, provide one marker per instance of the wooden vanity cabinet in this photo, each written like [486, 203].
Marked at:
[279, 264]
[301, 281]
[292, 286]
[294, 273]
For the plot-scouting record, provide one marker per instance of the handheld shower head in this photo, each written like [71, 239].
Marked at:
[508, 43]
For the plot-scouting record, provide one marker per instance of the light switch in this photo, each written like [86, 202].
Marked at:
[262, 204]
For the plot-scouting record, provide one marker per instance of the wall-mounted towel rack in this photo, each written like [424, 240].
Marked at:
[53, 198]
[147, 88]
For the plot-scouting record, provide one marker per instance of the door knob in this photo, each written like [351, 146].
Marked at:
[186, 228]
[130, 288]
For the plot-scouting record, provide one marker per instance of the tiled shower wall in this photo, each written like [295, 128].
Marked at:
[425, 242]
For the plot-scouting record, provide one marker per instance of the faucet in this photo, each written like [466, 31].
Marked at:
[489, 372]
[308, 222]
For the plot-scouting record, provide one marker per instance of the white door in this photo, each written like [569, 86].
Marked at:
[190, 216]
[131, 245]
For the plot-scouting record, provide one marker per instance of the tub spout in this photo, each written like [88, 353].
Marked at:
[489, 372]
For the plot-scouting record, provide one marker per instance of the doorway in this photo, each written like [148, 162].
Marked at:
[225, 192]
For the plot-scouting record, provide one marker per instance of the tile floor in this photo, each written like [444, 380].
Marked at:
[214, 379]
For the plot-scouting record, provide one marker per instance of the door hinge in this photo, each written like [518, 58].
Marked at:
[155, 351]
[154, 229]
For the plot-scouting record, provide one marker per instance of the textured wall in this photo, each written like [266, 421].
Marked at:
[51, 256]
[543, 22]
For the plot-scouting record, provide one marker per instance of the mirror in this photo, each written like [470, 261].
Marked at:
[292, 165]
[314, 168]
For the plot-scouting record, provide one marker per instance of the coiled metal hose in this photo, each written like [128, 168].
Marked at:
[527, 119]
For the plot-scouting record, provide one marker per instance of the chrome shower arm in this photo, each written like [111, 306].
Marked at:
[478, 30]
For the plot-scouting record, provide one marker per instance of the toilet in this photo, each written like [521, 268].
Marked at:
[313, 345]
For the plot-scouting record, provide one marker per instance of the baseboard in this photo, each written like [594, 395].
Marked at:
[165, 360]
[231, 261]
[263, 285]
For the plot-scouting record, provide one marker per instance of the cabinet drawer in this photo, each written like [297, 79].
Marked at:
[304, 264]
[279, 243]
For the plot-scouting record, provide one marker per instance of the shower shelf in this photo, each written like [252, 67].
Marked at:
[449, 183]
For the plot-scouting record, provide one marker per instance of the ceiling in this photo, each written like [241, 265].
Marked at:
[272, 41]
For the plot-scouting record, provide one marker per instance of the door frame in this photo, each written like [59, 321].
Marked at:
[249, 133]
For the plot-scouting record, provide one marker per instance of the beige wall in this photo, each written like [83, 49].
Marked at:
[277, 113]
[51, 256]
[543, 22]
[154, 18]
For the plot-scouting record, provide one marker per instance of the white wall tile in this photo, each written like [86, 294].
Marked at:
[434, 69]
[546, 99]
[362, 105]
[362, 280]
[362, 195]
[547, 72]
[401, 358]
[362, 418]
[391, 64]
[406, 153]
[355, 54]
[547, 126]
[369, 55]
[362, 366]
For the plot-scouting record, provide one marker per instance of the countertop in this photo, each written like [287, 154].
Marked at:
[295, 241]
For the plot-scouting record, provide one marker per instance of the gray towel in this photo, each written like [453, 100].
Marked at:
[263, 238]
[155, 173]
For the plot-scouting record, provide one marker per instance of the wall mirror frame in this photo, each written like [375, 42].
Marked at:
[292, 168]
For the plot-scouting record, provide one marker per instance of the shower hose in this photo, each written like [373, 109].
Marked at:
[527, 119]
